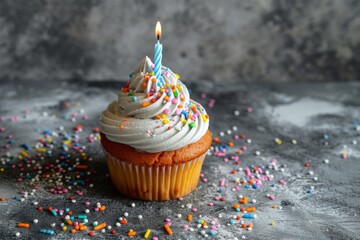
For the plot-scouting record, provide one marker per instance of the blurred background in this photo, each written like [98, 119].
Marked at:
[233, 40]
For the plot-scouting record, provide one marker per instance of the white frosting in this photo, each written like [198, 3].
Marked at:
[139, 121]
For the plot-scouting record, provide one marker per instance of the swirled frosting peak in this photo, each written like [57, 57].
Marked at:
[154, 115]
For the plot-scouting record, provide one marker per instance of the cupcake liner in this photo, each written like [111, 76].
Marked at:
[154, 183]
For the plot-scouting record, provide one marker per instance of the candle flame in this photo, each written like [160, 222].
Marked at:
[158, 30]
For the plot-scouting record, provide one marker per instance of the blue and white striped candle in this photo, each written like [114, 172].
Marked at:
[158, 55]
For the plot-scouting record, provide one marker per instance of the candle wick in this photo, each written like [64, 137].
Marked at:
[158, 37]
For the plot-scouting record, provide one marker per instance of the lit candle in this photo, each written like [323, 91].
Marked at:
[158, 54]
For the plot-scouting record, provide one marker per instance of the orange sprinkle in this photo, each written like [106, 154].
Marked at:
[217, 140]
[251, 209]
[243, 226]
[180, 106]
[236, 205]
[168, 229]
[69, 222]
[274, 206]
[131, 233]
[77, 227]
[100, 226]
[102, 208]
[23, 225]
[153, 79]
[158, 116]
[231, 144]
[153, 100]
[244, 200]
[166, 98]
[126, 121]
[238, 151]
[121, 126]
[73, 231]
[124, 221]
[82, 166]
[147, 95]
[189, 217]
[250, 225]
[82, 228]
[233, 171]
[2, 199]
[145, 104]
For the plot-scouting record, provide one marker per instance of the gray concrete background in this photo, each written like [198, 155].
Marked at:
[301, 111]
[235, 40]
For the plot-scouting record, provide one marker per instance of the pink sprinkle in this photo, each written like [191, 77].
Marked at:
[96, 209]
[236, 137]
[2, 129]
[178, 111]
[167, 220]
[216, 198]
[282, 182]
[155, 238]
[180, 198]
[87, 203]
[203, 95]
[202, 175]
[243, 148]
[174, 101]
[222, 182]
[271, 197]
[213, 227]
[185, 226]
[210, 204]
[194, 209]
[167, 111]
[249, 109]
[204, 180]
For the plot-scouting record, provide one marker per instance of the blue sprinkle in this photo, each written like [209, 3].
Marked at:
[237, 209]
[47, 132]
[326, 137]
[232, 222]
[248, 216]
[219, 190]
[134, 99]
[25, 146]
[255, 186]
[211, 233]
[247, 186]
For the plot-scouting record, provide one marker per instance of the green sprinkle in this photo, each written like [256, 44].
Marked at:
[130, 75]
[192, 125]
[176, 93]
[130, 94]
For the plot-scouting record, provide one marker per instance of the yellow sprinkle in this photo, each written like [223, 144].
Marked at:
[177, 76]
[278, 141]
[165, 121]
[41, 150]
[151, 74]
[64, 228]
[25, 154]
[273, 223]
[163, 115]
[147, 233]
[204, 118]
[98, 137]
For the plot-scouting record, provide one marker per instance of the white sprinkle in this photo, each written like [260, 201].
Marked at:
[354, 142]
[234, 128]
[253, 201]
[311, 173]
[236, 113]
[133, 205]
[293, 141]
[316, 178]
[222, 134]
[126, 214]
[248, 140]
[17, 234]
[109, 227]
[179, 215]
[87, 210]
[326, 161]
[35, 221]
[140, 217]
[257, 153]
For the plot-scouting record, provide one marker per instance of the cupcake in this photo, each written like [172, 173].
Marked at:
[154, 137]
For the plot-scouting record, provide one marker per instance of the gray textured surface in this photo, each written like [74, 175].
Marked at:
[304, 112]
[226, 40]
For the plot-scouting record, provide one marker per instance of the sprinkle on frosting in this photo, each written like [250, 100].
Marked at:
[165, 110]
